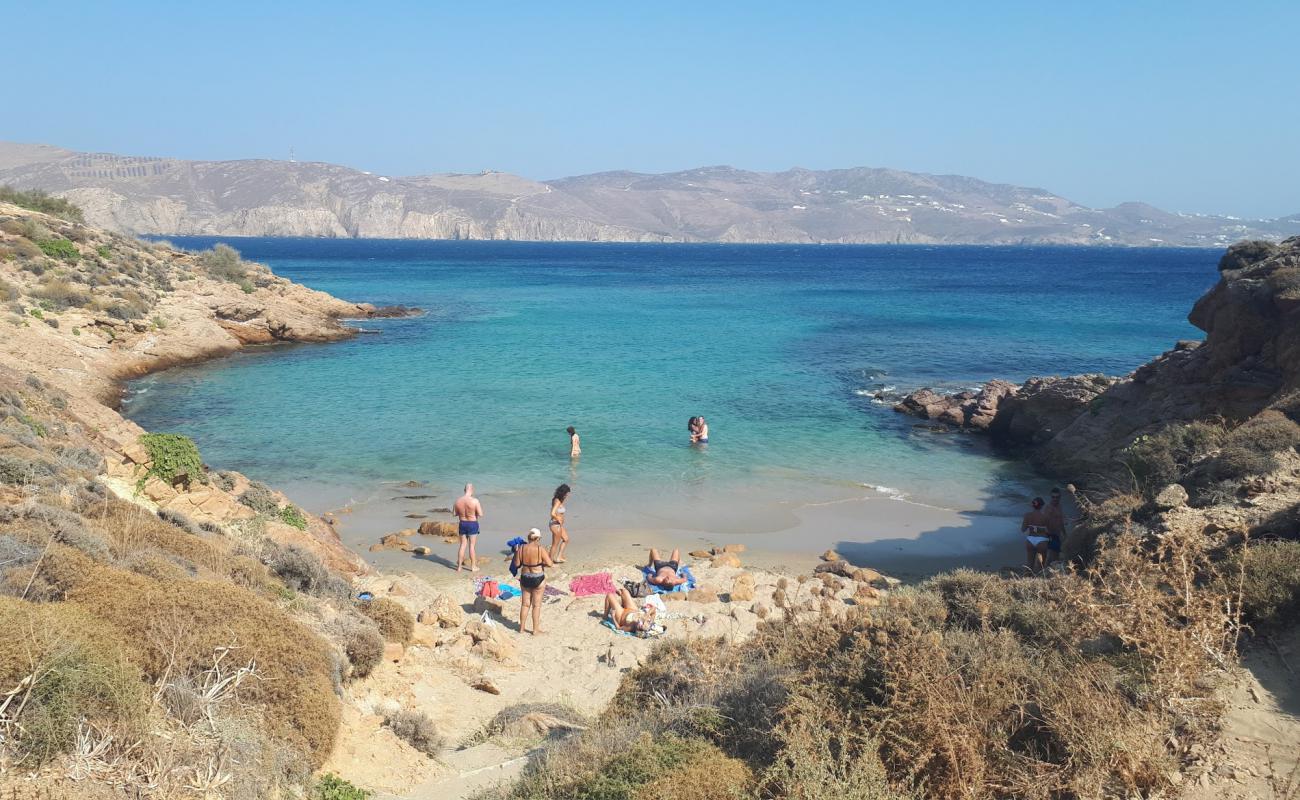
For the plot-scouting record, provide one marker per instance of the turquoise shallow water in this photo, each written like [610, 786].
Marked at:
[780, 347]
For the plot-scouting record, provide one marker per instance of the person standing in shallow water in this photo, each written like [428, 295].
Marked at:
[1034, 526]
[469, 511]
[559, 532]
[575, 444]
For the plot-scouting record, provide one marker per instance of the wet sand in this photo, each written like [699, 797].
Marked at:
[906, 539]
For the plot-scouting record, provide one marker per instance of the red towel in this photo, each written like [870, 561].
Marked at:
[596, 583]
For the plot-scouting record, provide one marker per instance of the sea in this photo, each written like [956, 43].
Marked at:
[793, 354]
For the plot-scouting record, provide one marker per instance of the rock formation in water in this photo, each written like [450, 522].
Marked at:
[145, 195]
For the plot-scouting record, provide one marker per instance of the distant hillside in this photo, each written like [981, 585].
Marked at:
[713, 204]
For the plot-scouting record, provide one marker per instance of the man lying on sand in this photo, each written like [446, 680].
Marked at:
[623, 611]
[665, 572]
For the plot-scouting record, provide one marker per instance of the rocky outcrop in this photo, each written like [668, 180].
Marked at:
[1249, 360]
[115, 308]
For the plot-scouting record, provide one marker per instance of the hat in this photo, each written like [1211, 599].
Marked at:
[533, 533]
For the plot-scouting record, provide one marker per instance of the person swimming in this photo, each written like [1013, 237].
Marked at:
[532, 560]
[665, 572]
[559, 532]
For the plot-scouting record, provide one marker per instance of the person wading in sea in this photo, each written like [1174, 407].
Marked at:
[469, 511]
[575, 444]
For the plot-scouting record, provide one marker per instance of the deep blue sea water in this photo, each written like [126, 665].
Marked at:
[780, 347]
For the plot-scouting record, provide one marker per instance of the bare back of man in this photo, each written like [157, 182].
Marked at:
[469, 511]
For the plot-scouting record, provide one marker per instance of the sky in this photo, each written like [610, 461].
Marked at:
[1190, 106]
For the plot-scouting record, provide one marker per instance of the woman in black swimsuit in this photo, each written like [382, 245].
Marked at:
[532, 560]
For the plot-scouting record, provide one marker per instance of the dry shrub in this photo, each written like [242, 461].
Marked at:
[1270, 581]
[132, 528]
[395, 623]
[78, 674]
[361, 642]
[971, 686]
[416, 729]
[175, 626]
[61, 294]
[302, 571]
[1251, 447]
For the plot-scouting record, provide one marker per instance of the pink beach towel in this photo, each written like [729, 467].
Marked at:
[596, 583]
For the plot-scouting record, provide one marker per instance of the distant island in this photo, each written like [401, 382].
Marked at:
[861, 205]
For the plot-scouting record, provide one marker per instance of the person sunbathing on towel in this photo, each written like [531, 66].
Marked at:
[665, 572]
[622, 610]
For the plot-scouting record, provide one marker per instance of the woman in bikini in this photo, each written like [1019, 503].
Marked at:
[665, 572]
[559, 533]
[622, 610]
[532, 560]
[1035, 526]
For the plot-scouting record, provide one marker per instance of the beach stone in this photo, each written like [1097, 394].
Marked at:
[443, 612]
[830, 555]
[1170, 497]
[491, 641]
[701, 554]
[673, 597]
[436, 528]
[392, 541]
[760, 610]
[726, 560]
[837, 567]
[742, 589]
[702, 594]
[485, 685]
[393, 652]
[733, 548]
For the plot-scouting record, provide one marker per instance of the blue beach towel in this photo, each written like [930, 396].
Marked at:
[682, 572]
[610, 624]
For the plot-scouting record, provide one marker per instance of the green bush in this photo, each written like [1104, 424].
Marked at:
[1271, 582]
[291, 515]
[259, 497]
[103, 251]
[37, 200]
[332, 787]
[173, 456]
[61, 249]
[224, 263]
[1161, 458]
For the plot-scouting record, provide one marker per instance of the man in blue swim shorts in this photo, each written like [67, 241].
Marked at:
[469, 511]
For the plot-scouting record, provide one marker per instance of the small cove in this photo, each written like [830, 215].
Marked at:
[781, 347]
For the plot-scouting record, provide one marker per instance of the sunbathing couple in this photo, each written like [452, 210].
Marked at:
[623, 610]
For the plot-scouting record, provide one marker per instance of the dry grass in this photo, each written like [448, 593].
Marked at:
[173, 627]
[971, 686]
[395, 623]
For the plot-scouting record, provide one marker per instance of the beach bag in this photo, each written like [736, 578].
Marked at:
[491, 589]
[635, 589]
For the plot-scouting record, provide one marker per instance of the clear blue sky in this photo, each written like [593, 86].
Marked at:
[1191, 106]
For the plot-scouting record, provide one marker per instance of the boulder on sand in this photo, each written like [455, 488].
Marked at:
[443, 612]
[491, 641]
[436, 528]
[726, 560]
[702, 594]
[830, 555]
[742, 589]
